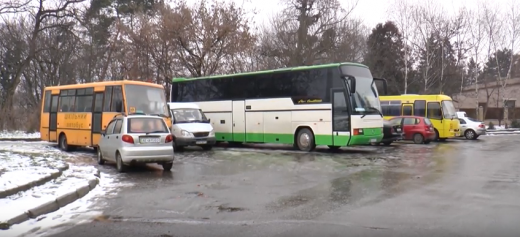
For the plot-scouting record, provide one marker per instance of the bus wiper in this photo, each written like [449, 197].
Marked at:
[373, 108]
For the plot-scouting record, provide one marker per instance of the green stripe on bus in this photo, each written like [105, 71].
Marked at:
[289, 138]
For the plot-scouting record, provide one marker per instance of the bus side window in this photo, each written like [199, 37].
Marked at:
[47, 102]
[117, 99]
[434, 110]
[108, 97]
[420, 108]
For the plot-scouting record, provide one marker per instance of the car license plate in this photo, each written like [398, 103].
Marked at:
[373, 140]
[398, 130]
[201, 142]
[146, 140]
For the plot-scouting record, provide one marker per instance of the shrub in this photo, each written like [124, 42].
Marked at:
[491, 125]
[515, 123]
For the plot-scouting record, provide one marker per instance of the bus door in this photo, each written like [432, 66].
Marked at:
[407, 109]
[239, 120]
[340, 118]
[97, 117]
[53, 118]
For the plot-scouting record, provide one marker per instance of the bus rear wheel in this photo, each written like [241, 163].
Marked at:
[63, 143]
[305, 140]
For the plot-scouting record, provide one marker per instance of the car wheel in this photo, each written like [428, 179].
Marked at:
[470, 134]
[418, 138]
[121, 167]
[63, 143]
[207, 147]
[100, 159]
[305, 140]
[167, 166]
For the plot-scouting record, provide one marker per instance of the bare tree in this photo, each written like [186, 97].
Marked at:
[401, 16]
[41, 13]
[476, 42]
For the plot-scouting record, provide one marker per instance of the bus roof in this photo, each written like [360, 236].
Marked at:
[436, 97]
[103, 83]
[180, 79]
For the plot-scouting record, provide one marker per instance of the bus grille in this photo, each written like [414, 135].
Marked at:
[200, 134]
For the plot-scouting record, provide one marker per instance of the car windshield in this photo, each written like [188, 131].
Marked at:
[365, 100]
[448, 109]
[427, 121]
[146, 125]
[146, 99]
[188, 115]
[395, 121]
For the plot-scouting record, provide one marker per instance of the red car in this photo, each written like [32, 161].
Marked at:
[418, 129]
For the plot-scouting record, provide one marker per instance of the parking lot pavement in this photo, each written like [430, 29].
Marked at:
[466, 188]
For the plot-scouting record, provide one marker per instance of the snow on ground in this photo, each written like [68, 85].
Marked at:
[18, 169]
[18, 135]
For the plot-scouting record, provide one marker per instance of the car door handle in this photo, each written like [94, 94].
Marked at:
[117, 137]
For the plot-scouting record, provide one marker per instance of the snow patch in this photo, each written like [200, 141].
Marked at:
[18, 135]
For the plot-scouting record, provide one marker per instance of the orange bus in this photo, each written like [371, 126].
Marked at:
[75, 115]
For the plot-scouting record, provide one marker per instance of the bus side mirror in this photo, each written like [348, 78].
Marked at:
[352, 84]
[385, 84]
[209, 120]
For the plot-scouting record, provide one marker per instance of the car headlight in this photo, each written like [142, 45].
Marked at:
[185, 133]
[212, 133]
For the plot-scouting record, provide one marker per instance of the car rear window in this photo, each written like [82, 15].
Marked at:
[427, 121]
[146, 125]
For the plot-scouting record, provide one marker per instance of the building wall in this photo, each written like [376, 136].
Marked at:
[494, 107]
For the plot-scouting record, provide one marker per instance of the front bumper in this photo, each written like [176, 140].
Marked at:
[151, 154]
[195, 141]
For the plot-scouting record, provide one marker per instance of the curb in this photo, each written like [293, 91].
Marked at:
[21, 139]
[27, 186]
[51, 205]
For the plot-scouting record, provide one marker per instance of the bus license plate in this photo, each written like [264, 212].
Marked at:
[149, 140]
[373, 140]
[201, 142]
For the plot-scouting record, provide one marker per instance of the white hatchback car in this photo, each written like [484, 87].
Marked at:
[132, 139]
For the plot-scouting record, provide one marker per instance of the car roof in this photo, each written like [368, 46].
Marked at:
[137, 116]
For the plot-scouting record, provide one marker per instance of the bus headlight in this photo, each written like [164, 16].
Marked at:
[212, 133]
[185, 133]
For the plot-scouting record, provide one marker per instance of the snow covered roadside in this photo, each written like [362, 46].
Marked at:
[18, 135]
[35, 180]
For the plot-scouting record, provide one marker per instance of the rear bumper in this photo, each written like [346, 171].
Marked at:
[152, 154]
[393, 137]
[481, 131]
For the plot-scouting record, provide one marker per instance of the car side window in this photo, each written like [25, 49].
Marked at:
[409, 121]
[417, 121]
[395, 121]
[110, 128]
[462, 121]
[118, 126]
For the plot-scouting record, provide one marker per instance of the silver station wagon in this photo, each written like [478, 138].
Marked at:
[133, 139]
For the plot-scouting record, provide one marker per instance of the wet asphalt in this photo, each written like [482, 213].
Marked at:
[454, 188]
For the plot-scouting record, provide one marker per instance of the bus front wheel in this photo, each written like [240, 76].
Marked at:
[305, 140]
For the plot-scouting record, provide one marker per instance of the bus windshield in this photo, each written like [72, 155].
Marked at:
[146, 99]
[365, 100]
[448, 109]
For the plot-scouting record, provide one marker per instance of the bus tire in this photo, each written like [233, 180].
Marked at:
[305, 140]
[62, 142]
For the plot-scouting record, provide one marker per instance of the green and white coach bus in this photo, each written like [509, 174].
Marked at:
[331, 104]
